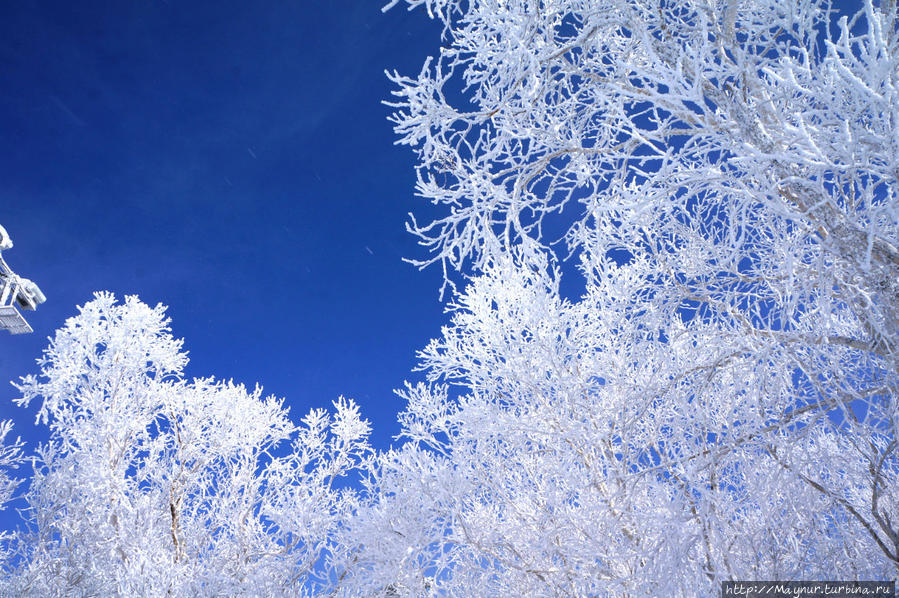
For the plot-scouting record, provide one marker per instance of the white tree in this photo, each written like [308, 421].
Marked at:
[585, 459]
[11, 457]
[153, 485]
[721, 403]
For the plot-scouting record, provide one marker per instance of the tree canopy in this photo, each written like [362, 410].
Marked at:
[718, 403]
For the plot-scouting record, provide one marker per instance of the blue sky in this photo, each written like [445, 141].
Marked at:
[233, 161]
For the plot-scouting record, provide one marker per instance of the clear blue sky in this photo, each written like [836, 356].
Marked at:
[233, 161]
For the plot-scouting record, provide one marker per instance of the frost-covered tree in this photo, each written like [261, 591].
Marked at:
[11, 457]
[153, 485]
[587, 457]
[721, 401]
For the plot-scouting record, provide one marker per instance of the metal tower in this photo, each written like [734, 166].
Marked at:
[15, 292]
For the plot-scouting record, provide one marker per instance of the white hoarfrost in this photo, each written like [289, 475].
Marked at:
[155, 485]
[721, 401]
